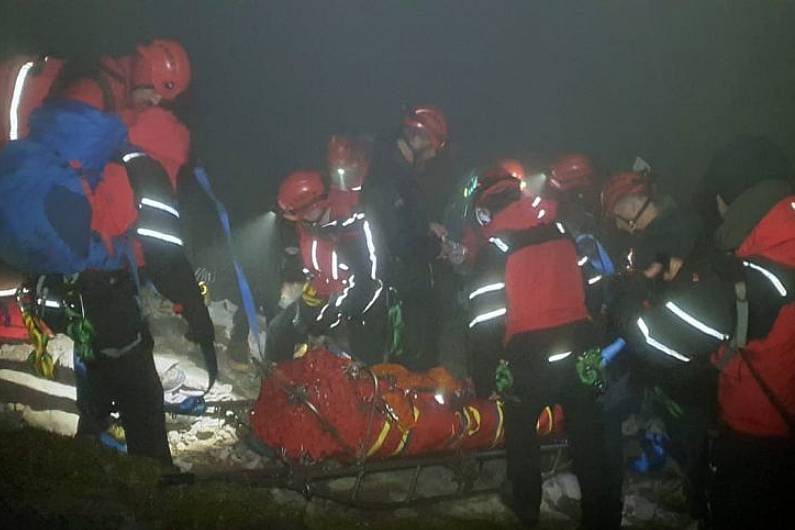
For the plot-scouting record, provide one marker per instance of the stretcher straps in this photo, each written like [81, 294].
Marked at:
[245, 290]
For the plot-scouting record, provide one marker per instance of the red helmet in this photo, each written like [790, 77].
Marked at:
[300, 191]
[514, 167]
[347, 161]
[164, 65]
[571, 172]
[432, 121]
[494, 179]
[623, 185]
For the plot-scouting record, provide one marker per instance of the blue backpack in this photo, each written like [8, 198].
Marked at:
[45, 215]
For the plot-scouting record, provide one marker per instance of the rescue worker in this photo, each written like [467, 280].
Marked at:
[343, 269]
[754, 455]
[530, 286]
[347, 165]
[483, 347]
[572, 183]
[663, 238]
[410, 242]
[114, 340]
[139, 194]
[158, 70]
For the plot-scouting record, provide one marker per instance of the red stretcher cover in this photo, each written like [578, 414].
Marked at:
[323, 406]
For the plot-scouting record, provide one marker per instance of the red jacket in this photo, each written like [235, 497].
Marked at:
[25, 82]
[116, 73]
[162, 137]
[321, 250]
[543, 283]
[744, 407]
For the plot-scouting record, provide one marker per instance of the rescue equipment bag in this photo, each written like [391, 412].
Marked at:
[46, 182]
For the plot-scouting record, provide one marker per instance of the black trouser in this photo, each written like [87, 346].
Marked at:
[413, 282]
[538, 383]
[128, 383]
[689, 434]
[285, 331]
[484, 347]
[751, 483]
[365, 336]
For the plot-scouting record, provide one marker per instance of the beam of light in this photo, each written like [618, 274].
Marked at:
[16, 96]
[45, 386]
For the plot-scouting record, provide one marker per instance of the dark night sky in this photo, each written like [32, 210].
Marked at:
[670, 80]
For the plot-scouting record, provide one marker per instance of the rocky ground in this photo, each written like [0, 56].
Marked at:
[220, 443]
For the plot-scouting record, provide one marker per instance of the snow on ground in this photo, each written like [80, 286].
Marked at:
[218, 443]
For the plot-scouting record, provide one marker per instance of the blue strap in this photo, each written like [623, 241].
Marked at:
[242, 283]
[610, 351]
[190, 406]
[603, 264]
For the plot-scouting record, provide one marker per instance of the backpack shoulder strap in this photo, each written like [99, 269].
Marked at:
[740, 337]
[108, 102]
[737, 347]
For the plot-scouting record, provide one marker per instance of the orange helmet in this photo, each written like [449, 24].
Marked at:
[623, 185]
[571, 172]
[164, 65]
[300, 191]
[493, 180]
[432, 121]
[348, 162]
[514, 167]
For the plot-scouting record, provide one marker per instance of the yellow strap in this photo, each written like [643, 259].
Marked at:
[42, 361]
[380, 440]
[500, 425]
[473, 420]
[310, 296]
